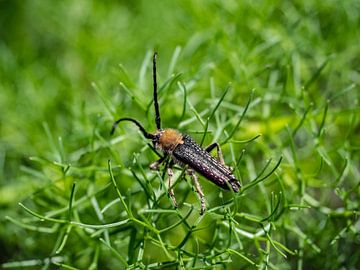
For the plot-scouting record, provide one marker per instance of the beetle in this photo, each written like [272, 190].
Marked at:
[181, 149]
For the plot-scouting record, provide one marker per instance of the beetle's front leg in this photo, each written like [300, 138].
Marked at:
[155, 165]
[193, 176]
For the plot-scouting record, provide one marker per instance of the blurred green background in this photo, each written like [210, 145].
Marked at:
[68, 69]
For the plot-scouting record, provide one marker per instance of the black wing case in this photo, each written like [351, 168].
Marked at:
[191, 154]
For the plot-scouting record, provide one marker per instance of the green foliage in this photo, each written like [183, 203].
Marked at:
[276, 83]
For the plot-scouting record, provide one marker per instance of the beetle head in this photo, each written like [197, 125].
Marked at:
[167, 139]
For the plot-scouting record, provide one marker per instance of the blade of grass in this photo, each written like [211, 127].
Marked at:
[117, 190]
[231, 134]
[173, 60]
[258, 180]
[183, 87]
[115, 252]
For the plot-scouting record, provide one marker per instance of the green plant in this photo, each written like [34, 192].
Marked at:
[88, 200]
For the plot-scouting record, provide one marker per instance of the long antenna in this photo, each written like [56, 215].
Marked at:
[142, 129]
[156, 104]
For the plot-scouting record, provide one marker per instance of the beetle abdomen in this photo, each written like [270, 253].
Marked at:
[191, 154]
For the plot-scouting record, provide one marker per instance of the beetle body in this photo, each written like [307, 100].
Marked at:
[183, 150]
[191, 154]
[186, 152]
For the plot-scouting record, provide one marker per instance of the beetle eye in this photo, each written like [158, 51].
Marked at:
[155, 141]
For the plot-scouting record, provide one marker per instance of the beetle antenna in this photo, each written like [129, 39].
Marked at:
[157, 112]
[142, 129]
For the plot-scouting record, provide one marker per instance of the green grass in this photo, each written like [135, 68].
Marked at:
[276, 83]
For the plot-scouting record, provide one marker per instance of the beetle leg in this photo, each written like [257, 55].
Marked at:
[193, 176]
[171, 191]
[155, 165]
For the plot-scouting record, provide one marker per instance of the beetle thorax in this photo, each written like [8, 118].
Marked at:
[169, 139]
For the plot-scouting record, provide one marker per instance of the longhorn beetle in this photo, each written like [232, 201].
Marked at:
[183, 150]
